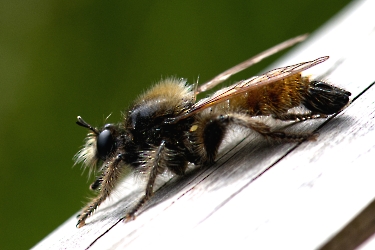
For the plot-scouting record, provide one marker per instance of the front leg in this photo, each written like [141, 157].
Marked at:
[109, 178]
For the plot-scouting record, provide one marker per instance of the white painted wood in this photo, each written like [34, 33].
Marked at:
[261, 194]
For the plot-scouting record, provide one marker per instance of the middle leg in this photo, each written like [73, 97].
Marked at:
[156, 166]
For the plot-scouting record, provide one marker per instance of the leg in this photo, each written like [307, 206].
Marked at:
[298, 117]
[205, 137]
[208, 133]
[265, 130]
[156, 167]
[97, 183]
[109, 177]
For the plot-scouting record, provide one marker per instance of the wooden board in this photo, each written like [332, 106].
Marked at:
[262, 194]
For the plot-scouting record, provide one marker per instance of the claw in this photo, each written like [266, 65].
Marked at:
[129, 217]
[80, 223]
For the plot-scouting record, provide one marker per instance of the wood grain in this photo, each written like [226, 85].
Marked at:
[261, 194]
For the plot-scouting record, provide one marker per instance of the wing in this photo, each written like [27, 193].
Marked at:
[244, 65]
[247, 85]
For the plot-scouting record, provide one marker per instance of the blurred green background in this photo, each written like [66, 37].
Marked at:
[60, 59]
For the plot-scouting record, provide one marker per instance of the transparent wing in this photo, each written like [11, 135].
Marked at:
[249, 84]
[244, 65]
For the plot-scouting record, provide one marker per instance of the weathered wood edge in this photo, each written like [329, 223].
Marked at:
[356, 232]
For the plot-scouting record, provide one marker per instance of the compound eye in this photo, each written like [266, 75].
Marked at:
[104, 143]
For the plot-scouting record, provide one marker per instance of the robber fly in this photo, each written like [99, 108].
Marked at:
[166, 127]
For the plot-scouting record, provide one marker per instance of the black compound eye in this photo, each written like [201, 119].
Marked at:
[104, 143]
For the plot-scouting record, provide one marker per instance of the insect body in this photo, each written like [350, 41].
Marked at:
[166, 128]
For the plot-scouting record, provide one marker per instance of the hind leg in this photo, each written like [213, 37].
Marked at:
[208, 133]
